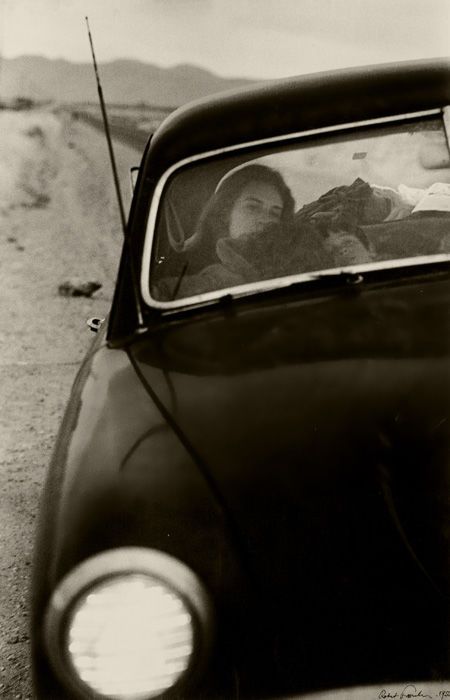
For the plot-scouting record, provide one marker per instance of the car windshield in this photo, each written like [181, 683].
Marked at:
[372, 196]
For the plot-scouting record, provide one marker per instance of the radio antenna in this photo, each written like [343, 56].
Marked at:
[108, 135]
[115, 175]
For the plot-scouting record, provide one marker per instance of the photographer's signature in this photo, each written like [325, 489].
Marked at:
[411, 691]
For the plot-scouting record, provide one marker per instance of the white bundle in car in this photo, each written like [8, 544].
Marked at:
[435, 198]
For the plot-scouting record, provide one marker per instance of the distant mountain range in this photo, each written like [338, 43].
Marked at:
[124, 81]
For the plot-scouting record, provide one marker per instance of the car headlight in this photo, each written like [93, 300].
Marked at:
[129, 623]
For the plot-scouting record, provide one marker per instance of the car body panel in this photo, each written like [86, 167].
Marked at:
[293, 105]
[104, 492]
[249, 391]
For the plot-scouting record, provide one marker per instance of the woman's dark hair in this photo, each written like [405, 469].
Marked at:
[214, 220]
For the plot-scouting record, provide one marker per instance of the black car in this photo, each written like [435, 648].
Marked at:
[247, 497]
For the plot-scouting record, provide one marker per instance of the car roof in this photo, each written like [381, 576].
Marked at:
[291, 105]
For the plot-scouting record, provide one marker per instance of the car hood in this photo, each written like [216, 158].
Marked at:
[315, 420]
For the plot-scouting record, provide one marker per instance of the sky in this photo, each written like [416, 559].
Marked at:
[233, 38]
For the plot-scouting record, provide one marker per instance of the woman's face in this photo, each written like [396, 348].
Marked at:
[258, 206]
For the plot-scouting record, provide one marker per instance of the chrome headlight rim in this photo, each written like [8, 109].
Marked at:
[105, 567]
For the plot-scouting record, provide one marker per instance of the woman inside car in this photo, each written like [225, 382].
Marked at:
[248, 232]
[240, 231]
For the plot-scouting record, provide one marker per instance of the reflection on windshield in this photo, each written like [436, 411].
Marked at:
[380, 197]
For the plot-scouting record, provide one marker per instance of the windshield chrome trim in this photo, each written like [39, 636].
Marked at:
[251, 288]
[446, 120]
[282, 282]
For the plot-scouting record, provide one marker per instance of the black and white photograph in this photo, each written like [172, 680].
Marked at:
[224, 349]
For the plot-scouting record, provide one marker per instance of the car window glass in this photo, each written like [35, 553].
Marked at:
[382, 194]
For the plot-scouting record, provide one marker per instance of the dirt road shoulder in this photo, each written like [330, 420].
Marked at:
[59, 219]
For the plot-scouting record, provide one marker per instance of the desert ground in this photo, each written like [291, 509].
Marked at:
[59, 220]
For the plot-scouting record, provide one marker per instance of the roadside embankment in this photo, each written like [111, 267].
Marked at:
[58, 219]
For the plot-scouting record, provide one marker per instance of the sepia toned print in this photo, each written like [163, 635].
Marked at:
[235, 485]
